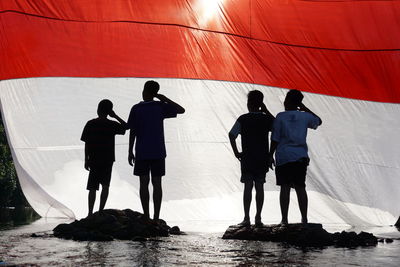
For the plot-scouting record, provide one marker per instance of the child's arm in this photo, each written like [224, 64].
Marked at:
[271, 161]
[265, 110]
[233, 134]
[131, 156]
[115, 116]
[273, 147]
[232, 139]
[163, 98]
[302, 107]
[87, 167]
[275, 137]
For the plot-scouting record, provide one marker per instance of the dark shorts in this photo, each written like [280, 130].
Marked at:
[100, 173]
[292, 173]
[253, 169]
[146, 166]
[253, 177]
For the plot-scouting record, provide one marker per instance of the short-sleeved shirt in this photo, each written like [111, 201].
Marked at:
[146, 119]
[290, 132]
[254, 128]
[99, 136]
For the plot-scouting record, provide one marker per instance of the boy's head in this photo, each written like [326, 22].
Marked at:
[254, 100]
[293, 99]
[104, 107]
[150, 90]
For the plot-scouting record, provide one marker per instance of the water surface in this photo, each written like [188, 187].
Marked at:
[200, 248]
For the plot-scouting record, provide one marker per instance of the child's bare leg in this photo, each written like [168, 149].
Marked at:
[103, 197]
[303, 202]
[157, 195]
[259, 200]
[144, 194]
[248, 187]
[91, 200]
[284, 199]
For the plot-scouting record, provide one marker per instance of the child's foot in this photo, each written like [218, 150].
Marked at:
[283, 223]
[245, 222]
[258, 222]
[145, 218]
[160, 221]
[304, 223]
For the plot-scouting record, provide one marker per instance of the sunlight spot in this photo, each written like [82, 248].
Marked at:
[208, 10]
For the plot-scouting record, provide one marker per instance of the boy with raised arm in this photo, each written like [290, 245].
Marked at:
[289, 141]
[146, 123]
[253, 128]
[99, 137]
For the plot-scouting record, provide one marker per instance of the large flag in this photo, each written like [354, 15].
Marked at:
[59, 58]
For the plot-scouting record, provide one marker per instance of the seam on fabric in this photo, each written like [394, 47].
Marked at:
[77, 147]
[204, 30]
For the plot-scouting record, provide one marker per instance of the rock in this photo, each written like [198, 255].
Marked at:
[175, 230]
[132, 214]
[310, 235]
[122, 234]
[388, 240]
[109, 224]
[65, 231]
[98, 236]
[81, 236]
[139, 238]
[347, 239]
[351, 239]
[367, 239]
[40, 235]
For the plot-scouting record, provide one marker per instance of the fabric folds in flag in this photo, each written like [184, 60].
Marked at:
[60, 58]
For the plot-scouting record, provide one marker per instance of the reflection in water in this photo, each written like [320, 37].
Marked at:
[95, 253]
[146, 253]
[17, 216]
[119, 252]
[296, 257]
[259, 253]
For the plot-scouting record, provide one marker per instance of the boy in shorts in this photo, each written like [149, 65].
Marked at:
[253, 128]
[289, 141]
[99, 137]
[146, 123]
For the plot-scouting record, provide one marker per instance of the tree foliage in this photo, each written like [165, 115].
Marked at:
[10, 190]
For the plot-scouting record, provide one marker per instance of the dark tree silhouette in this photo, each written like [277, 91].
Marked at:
[10, 190]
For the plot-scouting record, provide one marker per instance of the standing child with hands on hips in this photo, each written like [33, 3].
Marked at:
[253, 128]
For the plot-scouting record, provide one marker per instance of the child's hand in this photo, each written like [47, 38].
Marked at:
[131, 159]
[112, 114]
[239, 155]
[271, 162]
[87, 165]
[263, 107]
[161, 97]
